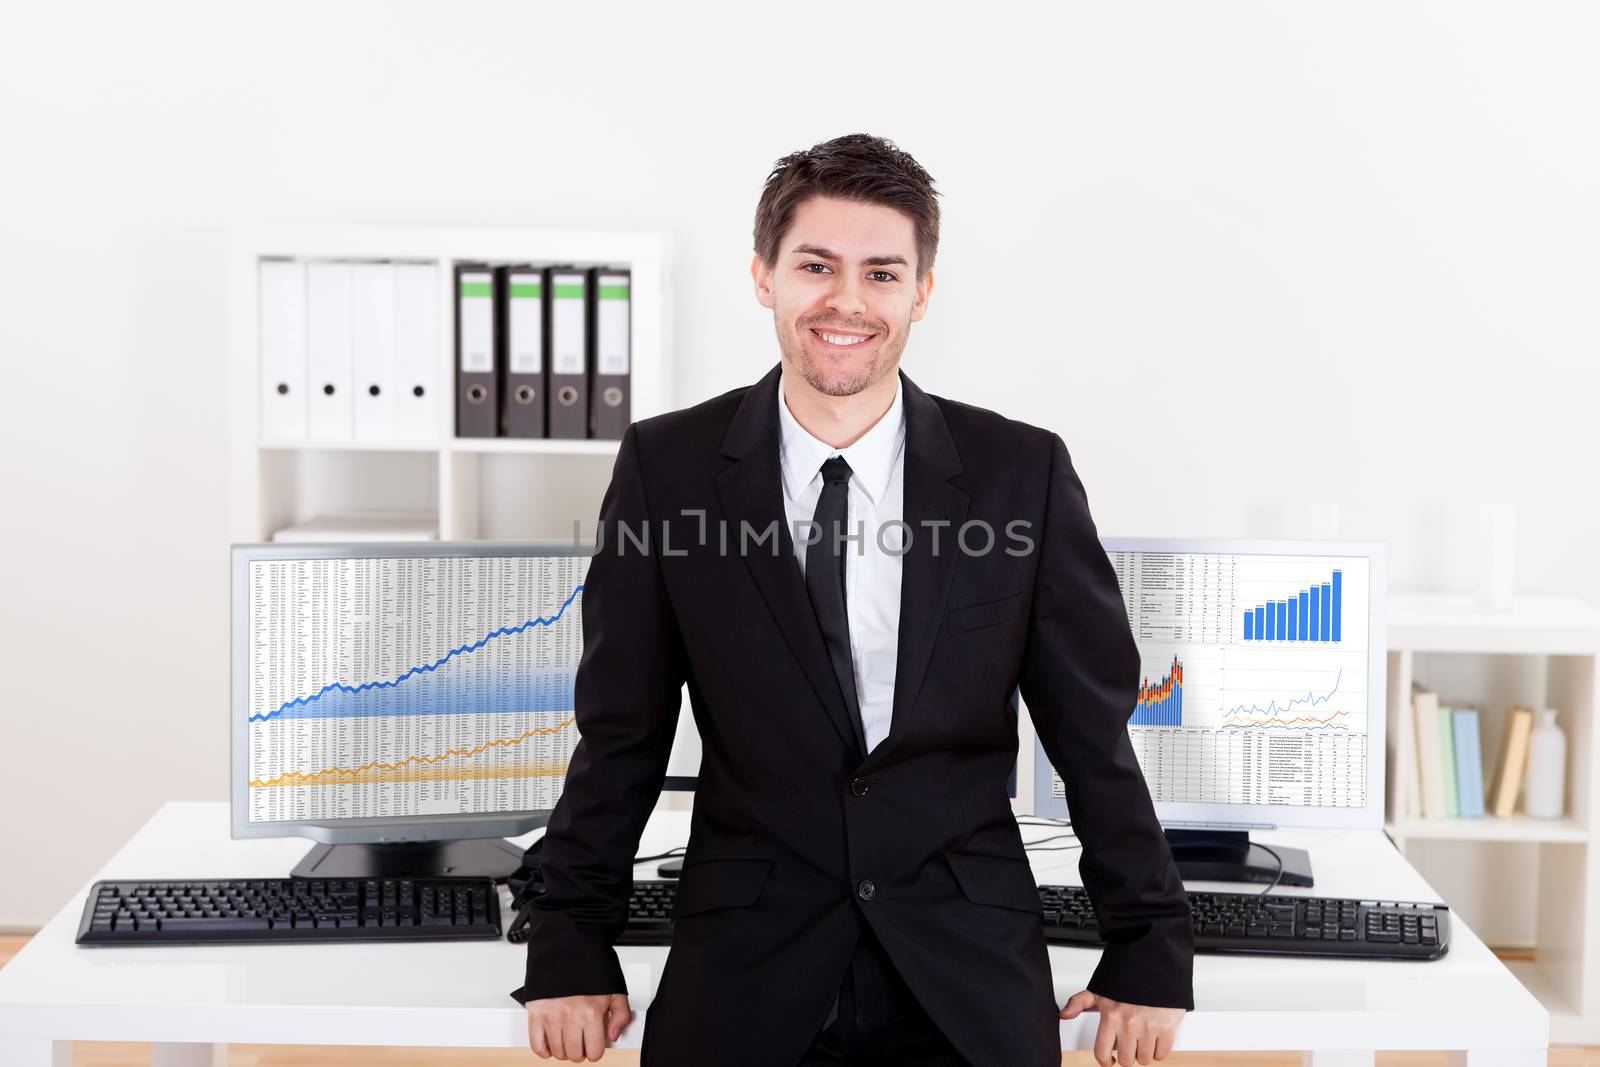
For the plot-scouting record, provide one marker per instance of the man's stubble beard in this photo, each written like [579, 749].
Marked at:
[886, 359]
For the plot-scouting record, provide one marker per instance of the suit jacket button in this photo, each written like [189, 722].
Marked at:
[858, 786]
[866, 890]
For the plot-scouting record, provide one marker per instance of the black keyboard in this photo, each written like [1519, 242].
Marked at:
[1278, 925]
[289, 909]
[1223, 922]
[650, 913]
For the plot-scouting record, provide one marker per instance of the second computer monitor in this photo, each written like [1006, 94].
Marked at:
[1261, 700]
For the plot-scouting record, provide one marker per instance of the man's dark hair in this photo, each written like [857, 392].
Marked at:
[856, 167]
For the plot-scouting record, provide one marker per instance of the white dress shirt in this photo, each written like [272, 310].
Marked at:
[876, 495]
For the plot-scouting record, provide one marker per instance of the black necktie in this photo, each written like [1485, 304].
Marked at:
[825, 582]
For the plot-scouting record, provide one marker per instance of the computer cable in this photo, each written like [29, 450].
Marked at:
[1033, 846]
[529, 889]
[1041, 845]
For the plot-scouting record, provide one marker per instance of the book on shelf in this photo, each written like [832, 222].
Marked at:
[1412, 777]
[1469, 763]
[1425, 703]
[1447, 762]
[1511, 763]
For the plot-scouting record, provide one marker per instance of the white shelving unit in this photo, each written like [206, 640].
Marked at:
[1545, 652]
[476, 488]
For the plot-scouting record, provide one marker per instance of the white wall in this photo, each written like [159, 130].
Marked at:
[1249, 259]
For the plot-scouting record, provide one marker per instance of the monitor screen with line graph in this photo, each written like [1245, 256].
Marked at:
[407, 705]
[1262, 696]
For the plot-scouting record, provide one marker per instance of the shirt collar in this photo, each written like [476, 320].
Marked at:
[871, 456]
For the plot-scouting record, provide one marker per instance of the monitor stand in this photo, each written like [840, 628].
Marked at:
[1229, 856]
[476, 857]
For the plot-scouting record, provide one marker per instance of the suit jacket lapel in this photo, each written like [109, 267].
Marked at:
[930, 461]
[750, 492]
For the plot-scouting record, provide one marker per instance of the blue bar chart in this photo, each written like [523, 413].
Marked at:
[1311, 614]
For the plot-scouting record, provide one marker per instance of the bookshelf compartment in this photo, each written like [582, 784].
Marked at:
[301, 484]
[509, 496]
[1493, 683]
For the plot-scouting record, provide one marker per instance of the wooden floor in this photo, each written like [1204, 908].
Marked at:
[133, 1054]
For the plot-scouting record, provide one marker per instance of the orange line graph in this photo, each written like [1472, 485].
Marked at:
[383, 771]
[1278, 720]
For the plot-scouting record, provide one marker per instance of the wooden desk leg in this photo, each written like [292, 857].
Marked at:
[182, 1054]
[36, 1053]
[1338, 1058]
[1499, 1058]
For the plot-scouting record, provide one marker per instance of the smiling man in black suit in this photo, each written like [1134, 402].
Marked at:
[852, 577]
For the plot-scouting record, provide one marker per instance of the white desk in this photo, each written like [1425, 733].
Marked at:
[191, 1001]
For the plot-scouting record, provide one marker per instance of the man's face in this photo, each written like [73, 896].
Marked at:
[844, 292]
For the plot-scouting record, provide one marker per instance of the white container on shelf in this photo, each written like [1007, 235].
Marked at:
[1497, 556]
[1547, 768]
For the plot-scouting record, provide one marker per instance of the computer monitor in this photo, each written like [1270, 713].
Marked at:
[406, 705]
[1262, 696]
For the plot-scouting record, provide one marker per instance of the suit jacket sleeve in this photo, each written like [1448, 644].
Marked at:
[627, 694]
[1080, 679]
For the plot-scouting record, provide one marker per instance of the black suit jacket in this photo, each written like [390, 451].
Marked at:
[791, 819]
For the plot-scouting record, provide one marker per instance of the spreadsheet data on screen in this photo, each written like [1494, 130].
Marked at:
[1253, 681]
[411, 686]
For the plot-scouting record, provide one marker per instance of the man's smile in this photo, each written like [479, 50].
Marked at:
[841, 339]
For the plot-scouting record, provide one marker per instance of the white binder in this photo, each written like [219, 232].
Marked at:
[282, 295]
[417, 350]
[372, 351]
[328, 350]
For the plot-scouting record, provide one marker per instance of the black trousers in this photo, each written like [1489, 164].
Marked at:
[878, 1022]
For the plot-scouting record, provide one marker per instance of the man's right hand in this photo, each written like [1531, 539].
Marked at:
[576, 1028]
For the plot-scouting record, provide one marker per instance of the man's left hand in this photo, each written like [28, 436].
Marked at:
[1129, 1033]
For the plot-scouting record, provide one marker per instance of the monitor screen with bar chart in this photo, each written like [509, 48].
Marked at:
[1261, 695]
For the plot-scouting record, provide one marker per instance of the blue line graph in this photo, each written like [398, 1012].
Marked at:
[527, 691]
[1273, 709]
